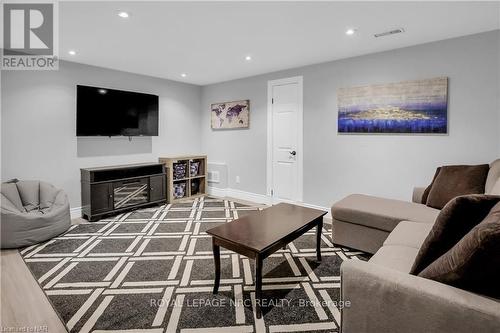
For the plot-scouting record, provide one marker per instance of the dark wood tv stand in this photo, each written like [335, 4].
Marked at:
[116, 189]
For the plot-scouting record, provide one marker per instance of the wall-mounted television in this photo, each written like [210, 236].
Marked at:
[110, 112]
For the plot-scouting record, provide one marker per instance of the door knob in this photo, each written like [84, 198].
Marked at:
[293, 153]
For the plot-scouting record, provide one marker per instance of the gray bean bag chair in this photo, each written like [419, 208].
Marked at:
[32, 212]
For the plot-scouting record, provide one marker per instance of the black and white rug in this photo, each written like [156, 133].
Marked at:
[152, 270]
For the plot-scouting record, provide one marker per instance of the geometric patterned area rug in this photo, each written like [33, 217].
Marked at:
[152, 270]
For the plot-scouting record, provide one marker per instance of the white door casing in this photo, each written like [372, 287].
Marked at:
[284, 139]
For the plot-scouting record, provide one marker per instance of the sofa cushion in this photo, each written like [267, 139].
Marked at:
[456, 219]
[409, 233]
[425, 195]
[474, 262]
[495, 190]
[455, 180]
[380, 213]
[493, 177]
[395, 257]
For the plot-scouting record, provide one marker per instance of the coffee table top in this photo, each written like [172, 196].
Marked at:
[258, 230]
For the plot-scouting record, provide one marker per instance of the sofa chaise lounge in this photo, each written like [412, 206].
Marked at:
[384, 297]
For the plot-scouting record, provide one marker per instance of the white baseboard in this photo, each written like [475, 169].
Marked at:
[259, 198]
[238, 194]
[249, 196]
[217, 192]
[75, 212]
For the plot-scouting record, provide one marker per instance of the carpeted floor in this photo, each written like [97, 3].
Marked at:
[152, 270]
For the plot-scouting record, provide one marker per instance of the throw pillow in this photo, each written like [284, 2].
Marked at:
[425, 195]
[474, 262]
[456, 219]
[455, 180]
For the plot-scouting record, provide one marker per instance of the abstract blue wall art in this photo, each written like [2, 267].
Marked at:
[419, 106]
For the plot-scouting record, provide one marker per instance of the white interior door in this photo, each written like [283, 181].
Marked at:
[285, 139]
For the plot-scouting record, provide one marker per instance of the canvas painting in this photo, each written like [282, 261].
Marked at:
[230, 114]
[419, 106]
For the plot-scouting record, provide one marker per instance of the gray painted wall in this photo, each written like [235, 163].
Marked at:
[39, 124]
[39, 142]
[387, 165]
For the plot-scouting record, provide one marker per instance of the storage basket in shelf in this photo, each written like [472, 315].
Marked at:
[195, 186]
[179, 190]
[179, 170]
[194, 168]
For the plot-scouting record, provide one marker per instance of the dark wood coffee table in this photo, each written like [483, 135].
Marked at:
[262, 233]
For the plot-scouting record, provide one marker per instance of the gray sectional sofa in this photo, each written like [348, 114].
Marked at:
[383, 296]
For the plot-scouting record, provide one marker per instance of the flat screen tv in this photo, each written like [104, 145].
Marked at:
[110, 112]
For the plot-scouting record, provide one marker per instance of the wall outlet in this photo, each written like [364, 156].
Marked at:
[237, 179]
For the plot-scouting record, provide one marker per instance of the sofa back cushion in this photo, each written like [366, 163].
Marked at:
[496, 188]
[474, 262]
[455, 180]
[456, 219]
[425, 195]
[493, 179]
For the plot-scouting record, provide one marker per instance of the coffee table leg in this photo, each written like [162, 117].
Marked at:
[319, 228]
[258, 285]
[216, 250]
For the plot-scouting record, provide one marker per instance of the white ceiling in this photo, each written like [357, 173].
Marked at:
[209, 40]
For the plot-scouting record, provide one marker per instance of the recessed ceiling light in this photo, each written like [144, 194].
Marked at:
[248, 58]
[71, 52]
[183, 74]
[350, 32]
[123, 14]
[102, 91]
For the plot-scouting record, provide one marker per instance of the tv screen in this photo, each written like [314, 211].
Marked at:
[110, 112]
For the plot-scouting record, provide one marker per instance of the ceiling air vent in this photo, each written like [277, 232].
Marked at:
[388, 33]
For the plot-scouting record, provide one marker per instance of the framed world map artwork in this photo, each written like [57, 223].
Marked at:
[230, 114]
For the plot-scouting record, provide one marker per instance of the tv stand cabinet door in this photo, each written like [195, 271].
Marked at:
[101, 198]
[157, 188]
